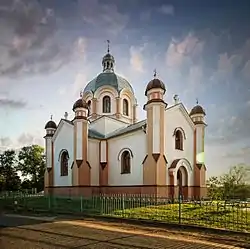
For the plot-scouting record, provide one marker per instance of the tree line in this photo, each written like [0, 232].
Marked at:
[234, 184]
[23, 169]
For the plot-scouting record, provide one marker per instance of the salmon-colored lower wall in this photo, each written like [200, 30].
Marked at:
[162, 191]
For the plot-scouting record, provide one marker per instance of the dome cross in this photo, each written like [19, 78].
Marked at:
[108, 41]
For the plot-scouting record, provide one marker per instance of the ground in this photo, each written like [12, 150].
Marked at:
[48, 232]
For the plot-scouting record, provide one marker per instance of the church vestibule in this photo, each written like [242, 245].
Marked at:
[182, 181]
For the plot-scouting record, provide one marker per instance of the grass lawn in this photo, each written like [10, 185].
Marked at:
[208, 214]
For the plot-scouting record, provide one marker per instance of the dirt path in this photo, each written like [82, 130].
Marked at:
[23, 232]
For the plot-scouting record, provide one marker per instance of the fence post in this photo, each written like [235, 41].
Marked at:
[81, 204]
[179, 208]
[49, 202]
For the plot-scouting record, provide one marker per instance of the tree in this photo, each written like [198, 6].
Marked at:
[9, 179]
[233, 184]
[31, 163]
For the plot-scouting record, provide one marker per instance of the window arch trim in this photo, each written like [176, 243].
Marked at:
[125, 169]
[121, 151]
[181, 130]
[60, 154]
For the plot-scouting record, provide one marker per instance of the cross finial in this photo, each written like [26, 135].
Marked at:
[66, 115]
[176, 98]
[108, 41]
[81, 93]
[197, 101]
[154, 73]
[51, 117]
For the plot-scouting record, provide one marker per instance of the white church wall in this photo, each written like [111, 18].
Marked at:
[136, 142]
[106, 125]
[174, 118]
[64, 140]
[93, 158]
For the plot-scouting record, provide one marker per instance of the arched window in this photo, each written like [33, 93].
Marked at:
[125, 162]
[178, 140]
[106, 104]
[64, 163]
[89, 107]
[125, 107]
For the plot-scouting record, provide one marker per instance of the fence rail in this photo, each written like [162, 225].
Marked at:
[229, 215]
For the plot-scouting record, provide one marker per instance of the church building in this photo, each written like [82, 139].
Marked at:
[106, 150]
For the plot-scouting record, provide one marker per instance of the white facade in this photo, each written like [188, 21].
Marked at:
[63, 140]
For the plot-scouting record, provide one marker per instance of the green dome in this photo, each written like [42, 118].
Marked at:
[108, 79]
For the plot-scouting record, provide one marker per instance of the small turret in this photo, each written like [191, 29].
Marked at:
[80, 108]
[50, 128]
[154, 165]
[198, 114]
[81, 169]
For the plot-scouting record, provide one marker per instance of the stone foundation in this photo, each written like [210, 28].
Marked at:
[167, 191]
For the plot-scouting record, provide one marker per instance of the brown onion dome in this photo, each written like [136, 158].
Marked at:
[50, 125]
[80, 103]
[197, 110]
[155, 83]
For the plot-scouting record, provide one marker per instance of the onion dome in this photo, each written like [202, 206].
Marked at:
[108, 79]
[51, 125]
[197, 110]
[80, 103]
[155, 83]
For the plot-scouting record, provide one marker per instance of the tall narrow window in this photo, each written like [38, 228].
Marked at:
[178, 140]
[125, 107]
[125, 162]
[89, 107]
[106, 104]
[64, 163]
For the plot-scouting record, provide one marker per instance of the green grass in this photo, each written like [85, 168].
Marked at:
[208, 214]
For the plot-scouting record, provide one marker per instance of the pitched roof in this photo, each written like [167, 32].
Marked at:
[95, 134]
[127, 129]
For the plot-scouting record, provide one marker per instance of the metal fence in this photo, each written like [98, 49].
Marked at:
[229, 215]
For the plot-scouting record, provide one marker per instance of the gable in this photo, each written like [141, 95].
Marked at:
[183, 112]
[105, 125]
[65, 125]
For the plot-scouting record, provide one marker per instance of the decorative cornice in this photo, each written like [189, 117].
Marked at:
[155, 101]
[156, 156]
[79, 163]
[103, 165]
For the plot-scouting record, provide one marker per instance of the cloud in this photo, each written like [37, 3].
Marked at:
[231, 128]
[136, 58]
[242, 152]
[184, 52]
[79, 84]
[145, 15]
[25, 139]
[30, 41]
[103, 16]
[167, 9]
[5, 141]
[11, 103]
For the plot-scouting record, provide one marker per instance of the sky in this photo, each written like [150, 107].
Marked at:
[50, 50]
